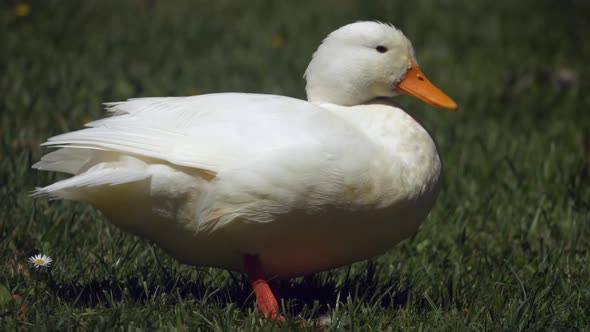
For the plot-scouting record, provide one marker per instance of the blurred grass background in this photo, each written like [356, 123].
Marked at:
[506, 247]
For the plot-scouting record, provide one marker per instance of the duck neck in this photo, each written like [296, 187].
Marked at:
[344, 95]
[323, 86]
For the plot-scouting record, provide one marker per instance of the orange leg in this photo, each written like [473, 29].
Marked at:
[267, 303]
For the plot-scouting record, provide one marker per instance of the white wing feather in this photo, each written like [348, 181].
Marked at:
[211, 132]
[269, 153]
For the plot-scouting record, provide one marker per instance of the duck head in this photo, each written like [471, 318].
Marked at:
[366, 60]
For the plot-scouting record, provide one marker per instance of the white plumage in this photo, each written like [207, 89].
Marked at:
[306, 186]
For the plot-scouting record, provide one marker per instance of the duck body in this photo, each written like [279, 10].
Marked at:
[269, 185]
[304, 186]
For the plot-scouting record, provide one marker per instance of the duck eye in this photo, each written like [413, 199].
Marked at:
[381, 49]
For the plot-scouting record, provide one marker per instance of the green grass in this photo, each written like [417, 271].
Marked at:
[506, 247]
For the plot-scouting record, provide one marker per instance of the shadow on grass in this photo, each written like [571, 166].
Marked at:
[325, 289]
[321, 291]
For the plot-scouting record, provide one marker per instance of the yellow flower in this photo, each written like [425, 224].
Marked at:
[276, 41]
[193, 91]
[86, 120]
[22, 9]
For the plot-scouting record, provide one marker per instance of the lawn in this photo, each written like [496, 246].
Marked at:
[507, 246]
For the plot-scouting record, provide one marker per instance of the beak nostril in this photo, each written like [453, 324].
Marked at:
[419, 77]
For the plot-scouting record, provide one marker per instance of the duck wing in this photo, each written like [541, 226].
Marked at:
[210, 132]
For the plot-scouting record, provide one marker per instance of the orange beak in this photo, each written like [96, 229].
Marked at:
[416, 84]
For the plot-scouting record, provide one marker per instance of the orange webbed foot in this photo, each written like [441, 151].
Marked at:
[267, 303]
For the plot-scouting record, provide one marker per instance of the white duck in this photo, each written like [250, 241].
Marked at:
[265, 184]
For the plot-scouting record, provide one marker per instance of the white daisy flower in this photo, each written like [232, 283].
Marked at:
[40, 260]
